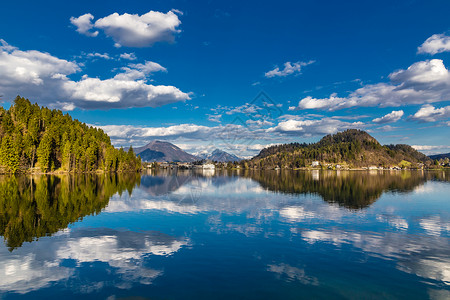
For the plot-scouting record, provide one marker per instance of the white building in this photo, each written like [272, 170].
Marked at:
[208, 166]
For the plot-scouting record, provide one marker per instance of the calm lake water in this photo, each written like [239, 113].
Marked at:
[212, 235]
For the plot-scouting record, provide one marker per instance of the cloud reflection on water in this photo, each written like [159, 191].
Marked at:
[291, 212]
[123, 252]
[424, 255]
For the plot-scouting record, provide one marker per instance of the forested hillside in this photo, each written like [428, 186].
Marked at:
[40, 139]
[353, 147]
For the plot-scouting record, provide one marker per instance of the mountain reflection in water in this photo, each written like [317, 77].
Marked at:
[227, 234]
[32, 207]
[351, 189]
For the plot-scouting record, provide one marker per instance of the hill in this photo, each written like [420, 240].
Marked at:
[355, 148]
[160, 151]
[38, 137]
[222, 156]
[439, 156]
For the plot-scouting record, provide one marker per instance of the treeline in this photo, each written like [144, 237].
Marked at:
[33, 137]
[353, 147]
[280, 148]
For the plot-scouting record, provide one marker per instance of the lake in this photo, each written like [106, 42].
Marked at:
[227, 235]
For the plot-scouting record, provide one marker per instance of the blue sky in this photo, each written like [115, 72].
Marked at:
[232, 75]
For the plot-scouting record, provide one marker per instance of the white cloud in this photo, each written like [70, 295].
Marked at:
[99, 55]
[119, 93]
[423, 74]
[428, 113]
[258, 123]
[6, 47]
[139, 31]
[426, 81]
[289, 69]
[45, 78]
[140, 71]
[246, 108]
[259, 147]
[128, 56]
[387, 128]
[30, 67]
[177, 11]
[84, 24]
[429, 147]
[432, 149]
[148, 67]
[394, 116]
[306, 127]
[190, 131]
[437, 43]
[259, 109]
[214, 118]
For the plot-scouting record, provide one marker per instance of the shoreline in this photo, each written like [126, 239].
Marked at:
[60, 172]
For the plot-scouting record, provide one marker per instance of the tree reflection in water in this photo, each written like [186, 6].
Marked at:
[351, 189]
[37, 206]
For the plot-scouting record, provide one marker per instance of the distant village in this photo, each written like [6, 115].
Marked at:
[212, 165]
[348, 150]
[182, 165]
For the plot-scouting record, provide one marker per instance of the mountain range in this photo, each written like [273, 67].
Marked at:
[162, 151]
[221, 156]
[439, 156]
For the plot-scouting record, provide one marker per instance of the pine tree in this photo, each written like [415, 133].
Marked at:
[9, 155]
[66, 156]
[44, 152]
